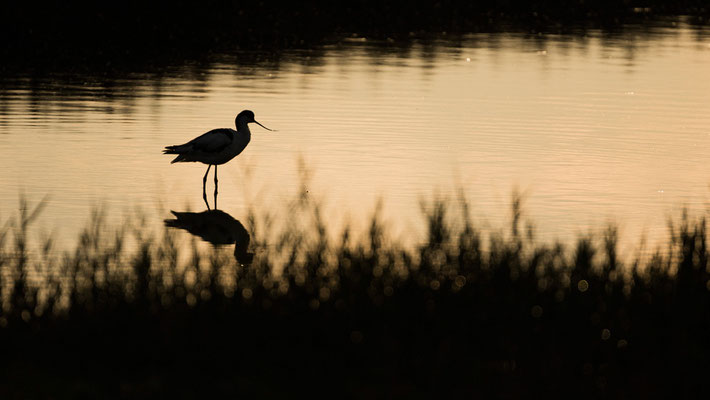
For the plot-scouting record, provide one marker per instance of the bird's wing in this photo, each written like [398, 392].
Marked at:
[213, 141]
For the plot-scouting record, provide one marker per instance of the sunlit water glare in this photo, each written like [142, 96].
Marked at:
[593, 128]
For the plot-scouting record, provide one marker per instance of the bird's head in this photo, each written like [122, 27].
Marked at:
[248, 117]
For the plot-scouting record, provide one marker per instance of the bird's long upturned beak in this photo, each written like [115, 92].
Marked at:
[272, 130]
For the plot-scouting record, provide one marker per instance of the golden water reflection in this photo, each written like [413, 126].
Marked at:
[593, 128]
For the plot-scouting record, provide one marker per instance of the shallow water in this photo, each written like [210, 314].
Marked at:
[592, 127]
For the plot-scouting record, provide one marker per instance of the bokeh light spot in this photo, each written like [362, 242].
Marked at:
[606, 334]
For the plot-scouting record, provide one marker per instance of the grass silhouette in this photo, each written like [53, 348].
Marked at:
[465, 313]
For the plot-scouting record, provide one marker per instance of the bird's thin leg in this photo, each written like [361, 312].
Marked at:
[204, 184]
[215, 187]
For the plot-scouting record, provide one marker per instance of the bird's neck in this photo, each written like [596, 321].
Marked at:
[242, 126]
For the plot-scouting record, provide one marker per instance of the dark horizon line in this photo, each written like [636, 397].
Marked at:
[109, 29]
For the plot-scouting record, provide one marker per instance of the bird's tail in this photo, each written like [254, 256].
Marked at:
[173, 149]
[175, 223]
[179, 149]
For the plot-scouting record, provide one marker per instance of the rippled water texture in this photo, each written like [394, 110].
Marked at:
[592, 128]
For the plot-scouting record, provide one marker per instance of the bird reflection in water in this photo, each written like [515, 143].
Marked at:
[216, 227]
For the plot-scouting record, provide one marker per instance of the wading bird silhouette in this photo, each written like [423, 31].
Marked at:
[216, 147]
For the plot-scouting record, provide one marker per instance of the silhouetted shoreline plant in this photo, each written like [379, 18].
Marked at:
[131, 313]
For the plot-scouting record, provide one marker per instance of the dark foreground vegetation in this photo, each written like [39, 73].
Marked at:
[463, 314]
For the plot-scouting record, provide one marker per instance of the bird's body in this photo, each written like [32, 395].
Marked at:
[214, 226]
[216, 147]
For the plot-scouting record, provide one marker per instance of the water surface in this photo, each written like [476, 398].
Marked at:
[592, 127]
